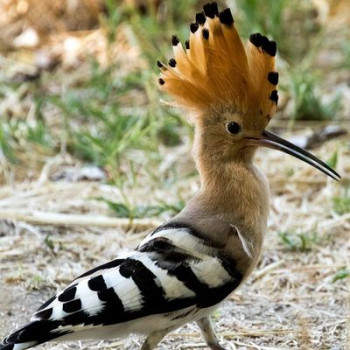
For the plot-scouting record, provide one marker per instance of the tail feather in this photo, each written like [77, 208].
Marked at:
[18, 346]
[32, 334]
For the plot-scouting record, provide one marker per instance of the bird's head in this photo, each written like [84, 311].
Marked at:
[229, 89]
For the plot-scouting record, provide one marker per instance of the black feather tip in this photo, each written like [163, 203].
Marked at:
[160, 64]
[225, 17]
[44, 314]
[161, 81]
[274, 96]
[174, 40]
[264, 42]
[172, 63]
[211, 10]
[272, 77]
[194, 27]
[187, 44]
[205, 33]
[258, 40]
[270, 48]
[200, 18]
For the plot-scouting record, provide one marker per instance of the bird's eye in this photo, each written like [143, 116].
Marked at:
[233, 128]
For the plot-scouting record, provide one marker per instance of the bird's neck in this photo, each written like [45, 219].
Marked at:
[236, 191]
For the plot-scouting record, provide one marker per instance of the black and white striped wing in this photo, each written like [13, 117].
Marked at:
[161, 276]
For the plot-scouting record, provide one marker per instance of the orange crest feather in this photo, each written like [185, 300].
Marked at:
[217, 70]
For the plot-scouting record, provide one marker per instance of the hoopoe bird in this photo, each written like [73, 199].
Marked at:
[184, 269]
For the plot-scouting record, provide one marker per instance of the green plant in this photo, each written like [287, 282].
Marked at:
[307, 95]
[301, 242]
[256, 16]
[153, 33]
[291, 23]
[341, 274]
[39, 133]
[6, 141]
[125, 210]
[111, 20]
[36, 282]
[341, 204]
[49, 243]
[333, 160]
[99, 129]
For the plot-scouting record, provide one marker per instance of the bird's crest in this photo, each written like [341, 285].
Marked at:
[216, 70]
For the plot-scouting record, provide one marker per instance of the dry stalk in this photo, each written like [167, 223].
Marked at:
[304, 335]
[58, 219]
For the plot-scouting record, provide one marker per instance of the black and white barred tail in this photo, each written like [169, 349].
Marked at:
[173, 277]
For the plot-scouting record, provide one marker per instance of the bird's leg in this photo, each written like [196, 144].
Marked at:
[208, 333]
[154, 338]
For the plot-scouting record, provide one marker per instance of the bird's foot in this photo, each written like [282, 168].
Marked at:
[209, 334]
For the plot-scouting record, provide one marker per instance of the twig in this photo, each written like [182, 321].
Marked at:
[264, 271]
[253, 346]
[230, 334]
[309, 268]
[59, 219]
[336, 221]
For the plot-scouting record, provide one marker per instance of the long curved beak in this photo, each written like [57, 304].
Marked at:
[275, 142]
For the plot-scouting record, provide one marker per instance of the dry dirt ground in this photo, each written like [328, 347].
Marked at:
[291, 301]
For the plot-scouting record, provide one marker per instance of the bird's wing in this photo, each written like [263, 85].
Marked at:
[161, 276]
